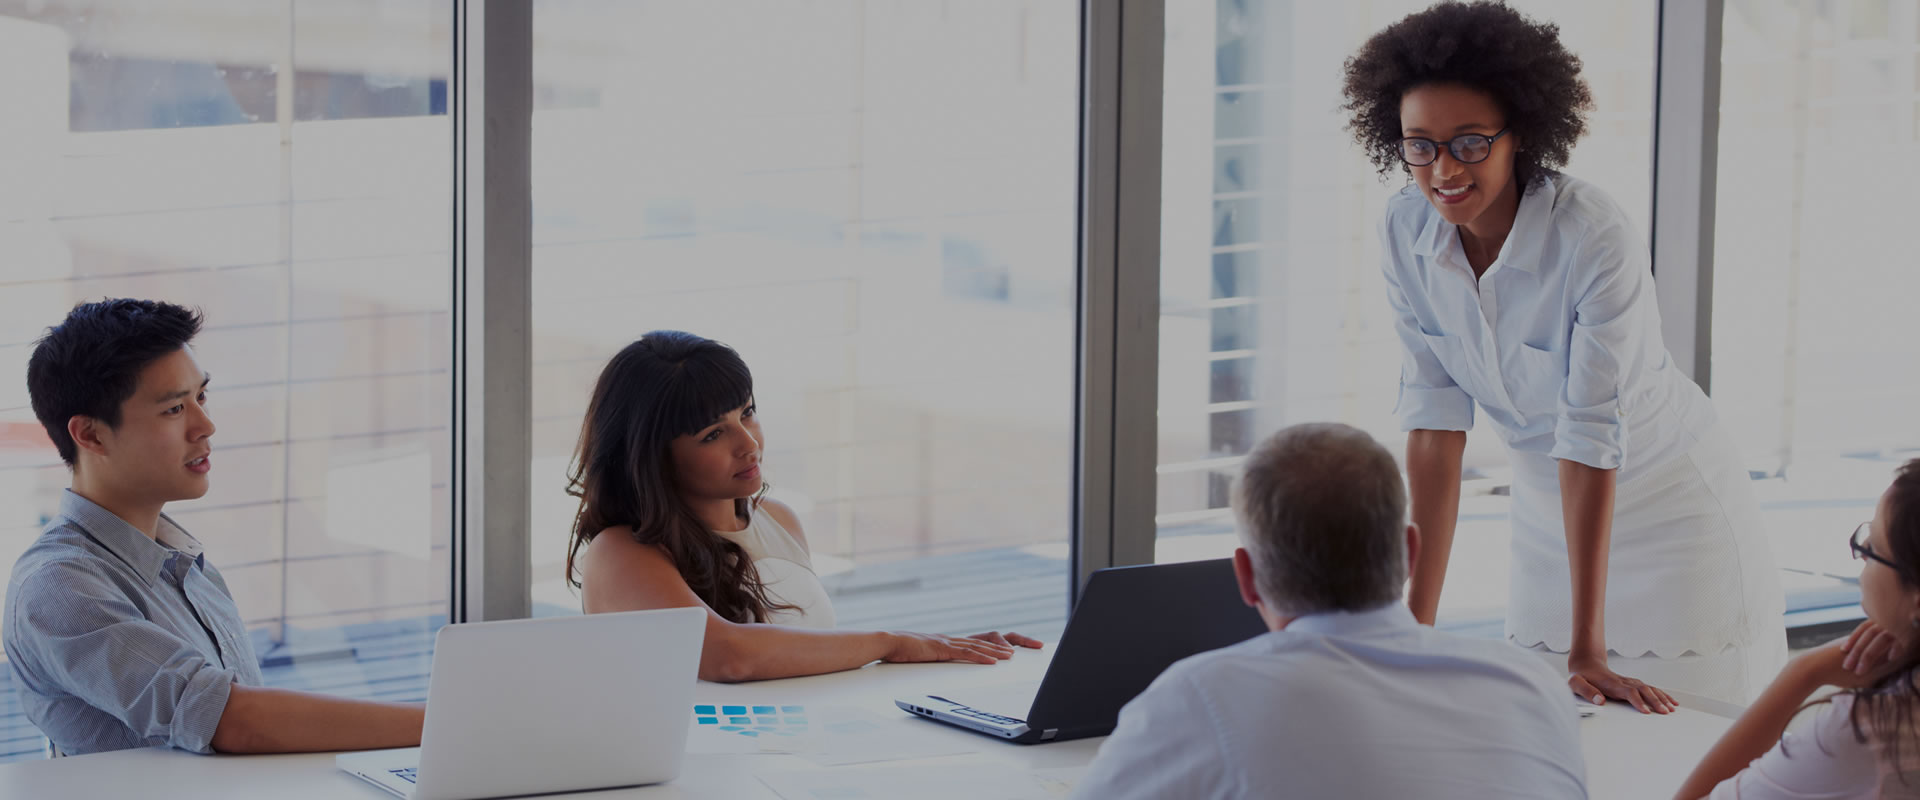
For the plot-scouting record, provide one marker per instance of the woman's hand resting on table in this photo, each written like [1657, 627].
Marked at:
[980, 648]
[1593, 682]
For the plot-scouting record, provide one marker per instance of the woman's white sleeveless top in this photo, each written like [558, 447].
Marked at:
[785, 569]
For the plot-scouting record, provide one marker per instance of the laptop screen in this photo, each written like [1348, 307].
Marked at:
[1133, 623]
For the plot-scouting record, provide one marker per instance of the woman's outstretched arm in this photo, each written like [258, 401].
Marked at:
[623, 575]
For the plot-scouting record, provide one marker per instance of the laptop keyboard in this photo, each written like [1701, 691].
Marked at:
[405, 774]
[986, 717]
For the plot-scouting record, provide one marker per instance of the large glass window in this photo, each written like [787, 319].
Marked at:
[1813, 281]
[286, 168]
[875, 204]
[1273, 310]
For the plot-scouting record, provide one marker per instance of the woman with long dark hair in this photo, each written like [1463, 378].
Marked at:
[674, 513]
[1864, 741]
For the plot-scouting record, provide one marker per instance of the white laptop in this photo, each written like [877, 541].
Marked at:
[549, 705]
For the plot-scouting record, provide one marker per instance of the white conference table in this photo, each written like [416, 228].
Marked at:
[1629, 755]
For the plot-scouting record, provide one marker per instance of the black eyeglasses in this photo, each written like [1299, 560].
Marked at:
[1471, 148]
[1861, 549]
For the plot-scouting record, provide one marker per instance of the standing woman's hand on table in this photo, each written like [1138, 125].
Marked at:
[1849, 663]
[1593, 682]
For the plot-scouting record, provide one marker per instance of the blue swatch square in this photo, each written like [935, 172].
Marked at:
[768, 728]
[767, 720]
[731, 728]
[709, 720]
[793, 709]
[705, 710]
[740, 720]
[763, 709]
[796, 720]
[734, 710]
[749, 733]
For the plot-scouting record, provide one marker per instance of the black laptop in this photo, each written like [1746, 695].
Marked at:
[1132, 623]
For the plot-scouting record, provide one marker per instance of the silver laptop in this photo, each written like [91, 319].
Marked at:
[509, 713]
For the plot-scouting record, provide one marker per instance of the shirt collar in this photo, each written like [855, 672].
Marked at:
[1392, 616]
[1432, 240]
[1521, 251]
[147, 556]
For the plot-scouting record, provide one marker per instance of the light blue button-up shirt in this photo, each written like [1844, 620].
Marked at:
[119, 641]
[1348, 705]
[1558, 341]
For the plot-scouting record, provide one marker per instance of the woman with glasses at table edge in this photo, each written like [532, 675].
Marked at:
[1639, 563]
[1863, 741]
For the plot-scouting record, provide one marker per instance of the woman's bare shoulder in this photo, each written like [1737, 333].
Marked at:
[618, 548]
[784, 514]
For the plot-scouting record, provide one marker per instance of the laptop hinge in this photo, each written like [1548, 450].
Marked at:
[1049, 734]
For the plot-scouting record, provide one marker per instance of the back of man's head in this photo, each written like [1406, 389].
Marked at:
[90, 363]
[1323, 513]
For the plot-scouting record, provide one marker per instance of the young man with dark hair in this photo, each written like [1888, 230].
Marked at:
[120, 631]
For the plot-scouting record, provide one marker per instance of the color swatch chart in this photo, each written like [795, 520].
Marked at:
[752, 721]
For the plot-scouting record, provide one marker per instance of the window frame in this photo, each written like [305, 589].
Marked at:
[1117, 307]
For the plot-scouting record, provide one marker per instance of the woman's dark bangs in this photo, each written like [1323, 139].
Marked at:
[703, 389]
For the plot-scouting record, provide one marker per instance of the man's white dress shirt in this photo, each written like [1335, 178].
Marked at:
[1348, 705]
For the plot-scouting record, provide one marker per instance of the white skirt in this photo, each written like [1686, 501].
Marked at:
[1692, 590]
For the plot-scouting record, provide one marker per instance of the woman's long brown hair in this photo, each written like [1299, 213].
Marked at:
[665, 385]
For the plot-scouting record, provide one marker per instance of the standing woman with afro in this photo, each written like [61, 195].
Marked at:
[1639, 562]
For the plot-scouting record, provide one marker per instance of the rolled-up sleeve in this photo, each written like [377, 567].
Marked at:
[73, 632]
[1613, 313]
[1430, 399]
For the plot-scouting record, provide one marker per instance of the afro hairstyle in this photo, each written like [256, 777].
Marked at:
[1482, 45]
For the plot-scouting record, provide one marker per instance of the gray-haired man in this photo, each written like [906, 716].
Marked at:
[1347, 696]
